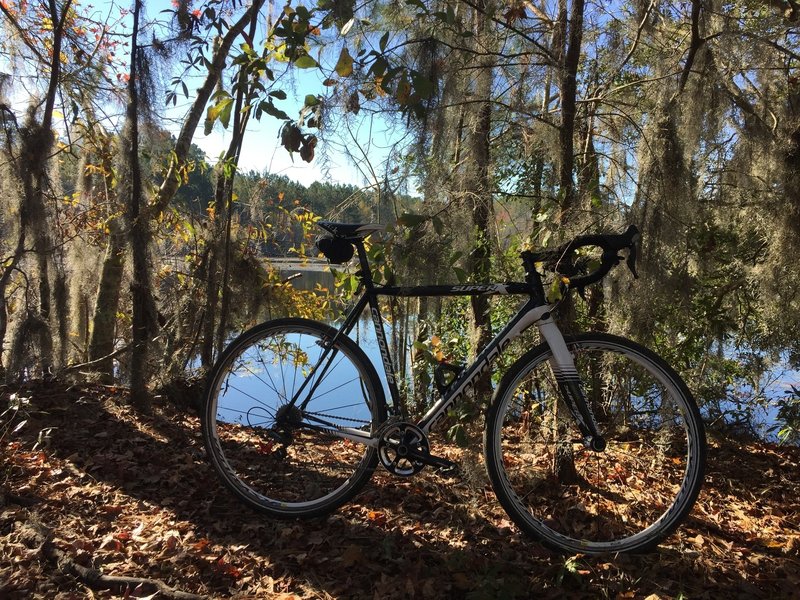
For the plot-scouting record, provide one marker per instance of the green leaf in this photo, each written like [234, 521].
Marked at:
[458, 434]
[279, 94]
[221, 110]
[384, 41]
[379, 67]
[225, 112]
[554, 293]
[411, 220]
[273, 111]
[344, 66]
[219, 94]
[461, 274]
[311, 100]
[305, 62]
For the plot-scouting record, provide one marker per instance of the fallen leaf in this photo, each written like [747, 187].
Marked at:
[377, 518]
[352, 555]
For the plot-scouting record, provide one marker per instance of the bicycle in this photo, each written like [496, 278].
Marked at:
[295, 417]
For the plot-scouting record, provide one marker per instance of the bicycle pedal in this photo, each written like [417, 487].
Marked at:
[453, 470]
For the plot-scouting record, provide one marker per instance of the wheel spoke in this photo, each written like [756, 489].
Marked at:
[289, 469]
[595, 502]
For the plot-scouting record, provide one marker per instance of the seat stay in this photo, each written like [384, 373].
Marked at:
[350, 320]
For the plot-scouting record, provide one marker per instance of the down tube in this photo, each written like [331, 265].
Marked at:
[527, 316]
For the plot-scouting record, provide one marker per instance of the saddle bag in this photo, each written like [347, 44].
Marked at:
[335, 249]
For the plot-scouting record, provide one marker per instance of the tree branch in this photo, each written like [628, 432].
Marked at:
[36, 535]
[184, 140]
[638, 37]
[510, 27]
[22, 33]
[694, 46]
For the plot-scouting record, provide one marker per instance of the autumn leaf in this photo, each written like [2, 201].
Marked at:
[377, 518]
[201, 545]
[344, 66]
[352, 556]
[222, 567]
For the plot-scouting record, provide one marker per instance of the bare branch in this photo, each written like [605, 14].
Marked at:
[22, 33]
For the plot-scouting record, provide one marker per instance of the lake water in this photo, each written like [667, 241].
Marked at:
[763, 414]
[312, 272]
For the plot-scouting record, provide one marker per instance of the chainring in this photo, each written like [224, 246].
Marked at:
[398, 446]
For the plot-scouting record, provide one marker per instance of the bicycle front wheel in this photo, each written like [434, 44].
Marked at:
[276, 400]
[625, 498]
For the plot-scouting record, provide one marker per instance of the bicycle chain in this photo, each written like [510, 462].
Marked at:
[341, 418]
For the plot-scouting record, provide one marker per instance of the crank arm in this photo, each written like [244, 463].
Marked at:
[431, 460]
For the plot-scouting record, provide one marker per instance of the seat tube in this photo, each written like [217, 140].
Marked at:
[377, 322]
[569, 383]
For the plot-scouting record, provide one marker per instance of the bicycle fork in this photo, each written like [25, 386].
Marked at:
[569, 384]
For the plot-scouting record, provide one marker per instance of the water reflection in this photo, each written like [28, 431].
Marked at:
[312, 273]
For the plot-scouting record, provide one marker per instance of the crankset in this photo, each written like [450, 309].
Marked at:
[404, 450]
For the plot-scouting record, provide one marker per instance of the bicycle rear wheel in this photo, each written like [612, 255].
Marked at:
[623, 499]
[282, 459]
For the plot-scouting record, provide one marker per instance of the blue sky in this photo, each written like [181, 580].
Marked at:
[365, 136]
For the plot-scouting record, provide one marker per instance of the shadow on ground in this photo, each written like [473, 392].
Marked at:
[134, 495]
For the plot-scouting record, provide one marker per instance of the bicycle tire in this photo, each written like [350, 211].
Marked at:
[291, 471]
[626, 498]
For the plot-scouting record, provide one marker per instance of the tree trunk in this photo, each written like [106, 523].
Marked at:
[141, 291]
[103, 329]
[563, 459]
[243, 94]
[569, 85]
[480, 199]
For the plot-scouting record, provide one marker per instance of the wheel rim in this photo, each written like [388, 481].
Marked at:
[623, 497]
[263, 450]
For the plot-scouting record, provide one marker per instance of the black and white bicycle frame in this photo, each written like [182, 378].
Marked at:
[536, 311]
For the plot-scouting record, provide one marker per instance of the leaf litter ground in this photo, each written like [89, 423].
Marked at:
[133, 496]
